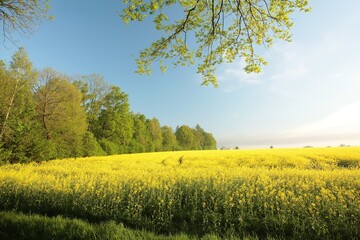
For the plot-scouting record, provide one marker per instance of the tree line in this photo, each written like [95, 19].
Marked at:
[47, 115]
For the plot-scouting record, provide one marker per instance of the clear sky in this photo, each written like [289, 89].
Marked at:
[309, 94]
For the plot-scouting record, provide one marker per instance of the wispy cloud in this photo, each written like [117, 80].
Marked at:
[290, 63]
[329, 59]
[340, 127]
[232, 76]
[345, 121]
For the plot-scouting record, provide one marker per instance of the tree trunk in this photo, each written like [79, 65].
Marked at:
[9, 110]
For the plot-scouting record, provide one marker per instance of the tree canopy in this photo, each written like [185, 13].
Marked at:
[21, 15]
[220, 30]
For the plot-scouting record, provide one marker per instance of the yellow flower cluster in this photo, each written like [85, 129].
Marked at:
[299, 192]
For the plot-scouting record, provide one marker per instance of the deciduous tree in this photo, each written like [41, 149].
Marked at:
[60, 112]
[185, 137]
[20, 77]
[169, 139]
[21, 134]
[202, 139]
[154, 128]
[141, 136]
[93, 88]
[115, 120]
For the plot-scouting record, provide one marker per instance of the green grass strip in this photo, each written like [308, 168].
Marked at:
[19, 226]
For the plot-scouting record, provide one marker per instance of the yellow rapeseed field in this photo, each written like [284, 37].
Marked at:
[296, 193]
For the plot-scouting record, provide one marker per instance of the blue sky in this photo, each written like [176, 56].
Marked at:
[309, 94]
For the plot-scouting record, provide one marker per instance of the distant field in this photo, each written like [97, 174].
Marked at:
[281, 193]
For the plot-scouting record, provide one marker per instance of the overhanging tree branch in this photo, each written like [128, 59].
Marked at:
[21, 15]
[222, 30]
